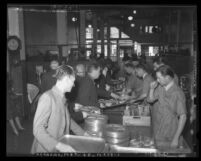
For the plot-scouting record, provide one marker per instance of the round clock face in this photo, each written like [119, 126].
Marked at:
[13, 44]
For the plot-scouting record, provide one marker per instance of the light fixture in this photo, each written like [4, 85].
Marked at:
[89, 26]
[98, 30]
[132, 25]
[134, 11]
[130, 18]
[74, 19]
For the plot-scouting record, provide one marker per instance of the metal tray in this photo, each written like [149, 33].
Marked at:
[84, 144]
[120, 149]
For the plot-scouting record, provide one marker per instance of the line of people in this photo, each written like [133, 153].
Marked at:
[53, 119]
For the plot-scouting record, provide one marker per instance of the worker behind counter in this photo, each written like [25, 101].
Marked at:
[141, 93]
[134, 83]
[52, 119]
[170, 116]
[88, 92]
[104, 83]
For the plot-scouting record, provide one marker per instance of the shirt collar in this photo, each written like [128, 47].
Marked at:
[57, 91]
[169, 85]
[144, 75]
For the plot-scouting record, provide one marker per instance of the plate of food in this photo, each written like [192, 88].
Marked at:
[111, 103]
[90, 109]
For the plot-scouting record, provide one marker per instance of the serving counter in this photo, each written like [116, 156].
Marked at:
[115, 116]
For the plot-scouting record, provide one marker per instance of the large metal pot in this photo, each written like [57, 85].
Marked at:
[94, 124]
[116, 134]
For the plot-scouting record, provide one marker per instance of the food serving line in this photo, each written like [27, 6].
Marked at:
[121, 127]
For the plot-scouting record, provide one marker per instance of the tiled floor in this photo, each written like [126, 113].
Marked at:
[19, 144]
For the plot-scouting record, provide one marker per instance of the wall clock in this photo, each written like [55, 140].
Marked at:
[13, 43]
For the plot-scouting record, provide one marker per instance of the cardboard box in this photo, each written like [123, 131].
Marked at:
[137, 120]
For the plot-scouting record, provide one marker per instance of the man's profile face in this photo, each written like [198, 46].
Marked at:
[95, 73]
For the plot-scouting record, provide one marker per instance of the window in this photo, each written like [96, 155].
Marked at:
[125, 43]
[123, 35]
[114, 32]
[88, 52]
[89, 43]
[150, 29]
[146, 29]
[98, 49]
[153, 50]
[105, 32]
[89, 33]
[113, 48]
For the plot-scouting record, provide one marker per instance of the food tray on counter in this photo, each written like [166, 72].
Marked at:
[84, 144]
[108, 104]
[91, 109]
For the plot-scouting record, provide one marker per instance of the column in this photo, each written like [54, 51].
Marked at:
[108, 39]
[192, 19]
[94, 25]
[16, 27]
[82, 29]
[62, 32]
[102, 36]
[178, 29]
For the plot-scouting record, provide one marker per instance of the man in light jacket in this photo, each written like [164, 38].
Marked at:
[52, 119]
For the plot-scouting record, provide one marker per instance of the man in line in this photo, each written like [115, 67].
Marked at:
[52, 119]
[78, 116]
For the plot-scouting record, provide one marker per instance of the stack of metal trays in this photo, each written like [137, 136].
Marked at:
[116, 134]
[95, 123]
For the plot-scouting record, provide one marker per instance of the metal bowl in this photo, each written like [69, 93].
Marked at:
[95, 123]
[116, 131]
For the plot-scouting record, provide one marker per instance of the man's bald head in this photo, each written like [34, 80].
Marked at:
[80, 70]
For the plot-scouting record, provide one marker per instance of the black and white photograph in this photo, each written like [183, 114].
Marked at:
[102, 80]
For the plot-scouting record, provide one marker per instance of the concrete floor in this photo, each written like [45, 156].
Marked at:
[19, 145]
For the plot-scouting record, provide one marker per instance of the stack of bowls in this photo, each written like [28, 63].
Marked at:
[116, 134]
[95, 123]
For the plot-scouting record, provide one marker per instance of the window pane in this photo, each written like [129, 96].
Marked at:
[105, 32]
[105, 50]
[123, 35]
[98, 48]
[89, 43]
[89, 33]
[113, 48]
[114, 32]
